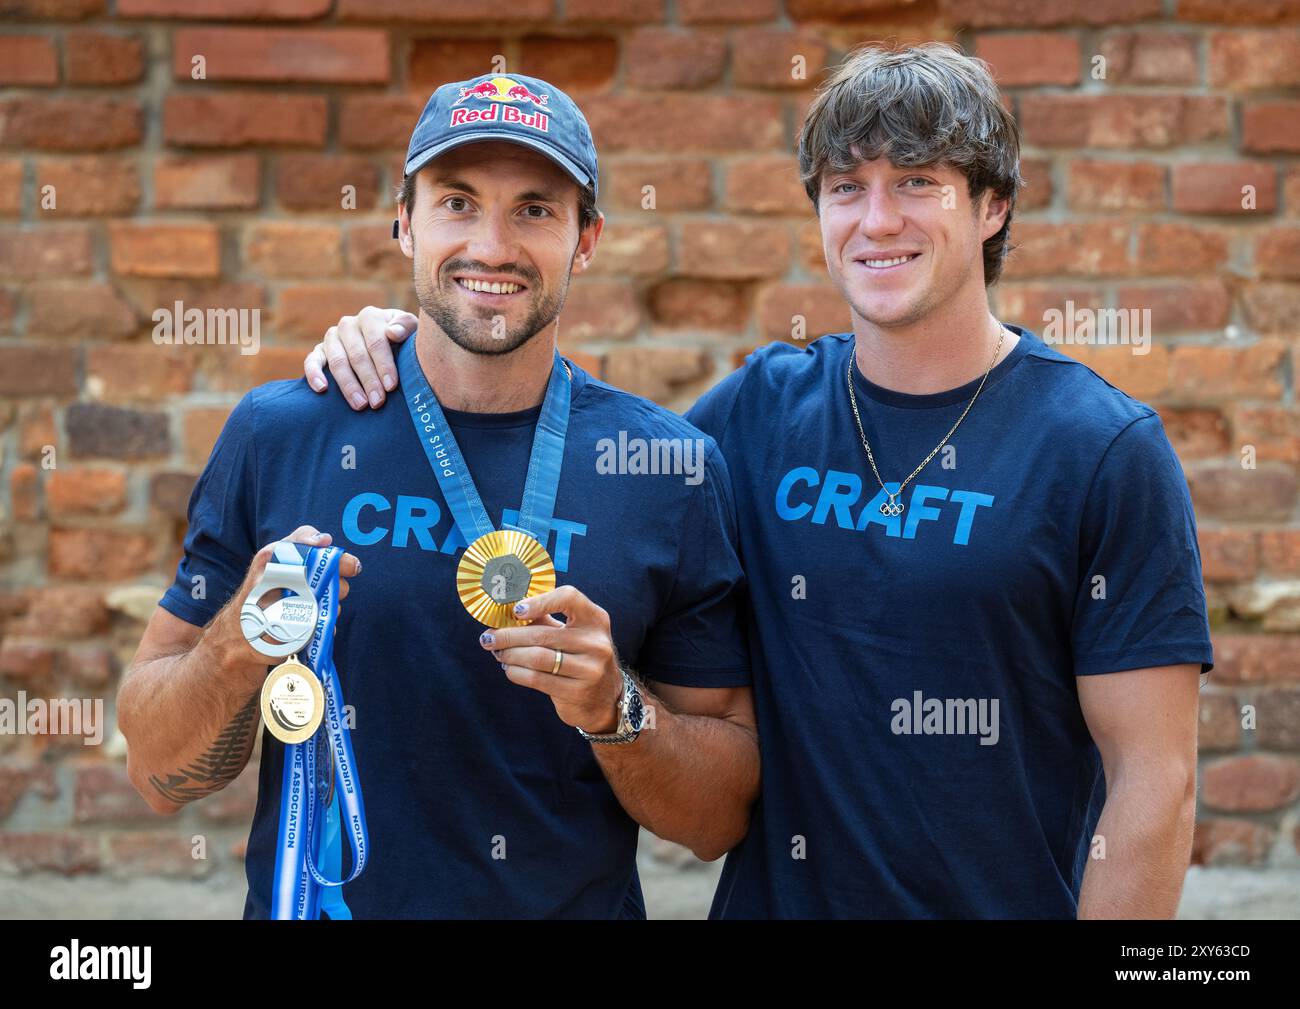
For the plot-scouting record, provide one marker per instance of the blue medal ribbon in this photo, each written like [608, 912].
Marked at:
[543, 480]
[302, 889]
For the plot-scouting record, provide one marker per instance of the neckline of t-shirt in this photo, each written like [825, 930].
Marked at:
[929, 401]
[512, 418]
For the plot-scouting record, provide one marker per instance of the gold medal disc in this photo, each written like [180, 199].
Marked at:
[293, 702]
[499, 569]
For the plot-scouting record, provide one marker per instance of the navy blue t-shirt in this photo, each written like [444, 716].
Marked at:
[456, 763]
[892, 785]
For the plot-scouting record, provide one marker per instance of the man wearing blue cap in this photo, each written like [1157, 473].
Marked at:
[505, 770]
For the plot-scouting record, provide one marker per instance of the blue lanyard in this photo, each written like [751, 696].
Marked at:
[458, 490]
[297, 891]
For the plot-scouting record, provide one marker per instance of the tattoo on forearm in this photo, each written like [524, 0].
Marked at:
[219, 766]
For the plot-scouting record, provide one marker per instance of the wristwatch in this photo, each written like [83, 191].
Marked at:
[631, 716]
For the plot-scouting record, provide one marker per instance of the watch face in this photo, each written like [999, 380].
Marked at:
[635, 710]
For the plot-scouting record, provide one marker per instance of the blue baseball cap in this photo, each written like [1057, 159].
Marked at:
[513, 108]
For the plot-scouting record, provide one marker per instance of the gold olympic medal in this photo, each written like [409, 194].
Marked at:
[499, 569]
[293, 702]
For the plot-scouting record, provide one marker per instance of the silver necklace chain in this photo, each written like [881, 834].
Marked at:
[893, 507]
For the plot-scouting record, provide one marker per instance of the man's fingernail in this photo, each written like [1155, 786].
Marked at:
[318, 384]
[375, 398]
[396, 328]
[358, 400]
[390, 383]
[485, 639]
[521, 609]
[358, 567]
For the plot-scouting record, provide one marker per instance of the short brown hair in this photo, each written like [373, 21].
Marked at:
[923, 105]
[587, 211]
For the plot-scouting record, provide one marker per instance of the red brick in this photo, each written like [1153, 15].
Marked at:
[631, 249]
[1279, 551]
[1271, 307]
[28, 661]
[764, 58]
[1116, 185]
[1145, 377]
[436, 61]
[24, 493]
[1273, 430]
[36, 431]
[242, 119]
[678, 184]
[216, 10]
[202, 182]
[66, 852]
[11, 187]
[85, 490]
[1179, 250]
[85, 665]
[1269, 128]
[1028, 304]
[733, 250]
[316, 181]
[287, 249]
[658, 58]
[280, 55]
[169, 493]
[37, 253]
[164, 249]
[87, 311]
[1256, 658]
[1264, 494]
[1219, 723]
[100, 554]
[379, 121]
[1250, 372]
[239, 372]
[1227, 555]
[600, 310]
[1220, 841]
[675, 122]
[703, 304]
[37, 371]
[28, 60]
[1037, 191]
[305, 312]
[202, 426]
[94, 186]
[18, 779]
[658, 373]
[155, 855]
[235, 803]
[1239, 12]
[821, 307]
[1018, 14]
[100, 58]
[1151, 57]
[1217, 188]
[1122, 121]
[1197, 433]
[111, 432]
[1180, 307]
[1250, 784]
[371, 252]
[573, 63]
[63, 611]
[1030, 58]
[767, 185]
[703, 11]
[104, 794]
[1277, 253]
[83, 123]
[1072, 248]
[144, 373]
[453, 11]
[614, 10]
[53, 10]
[1278, 726]
[1253, 60]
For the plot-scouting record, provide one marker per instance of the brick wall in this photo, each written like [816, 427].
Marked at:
[228, 192]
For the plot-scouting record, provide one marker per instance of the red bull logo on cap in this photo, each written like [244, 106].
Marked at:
[500, 93]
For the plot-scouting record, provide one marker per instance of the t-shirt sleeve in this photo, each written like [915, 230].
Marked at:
[221, 539]
[1140, 601]
[699, 641]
